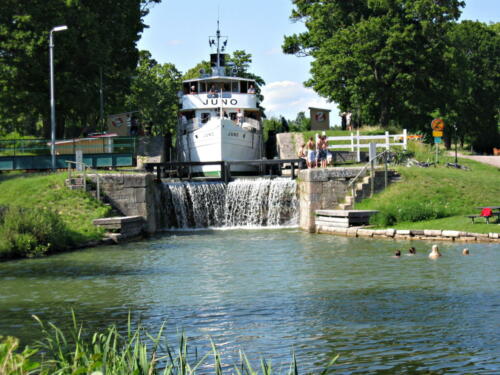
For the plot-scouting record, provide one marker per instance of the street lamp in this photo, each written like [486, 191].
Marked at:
[52, 100]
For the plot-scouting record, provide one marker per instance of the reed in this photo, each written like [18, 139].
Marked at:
[134, 352]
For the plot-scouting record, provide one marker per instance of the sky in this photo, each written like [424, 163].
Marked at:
[179, 29]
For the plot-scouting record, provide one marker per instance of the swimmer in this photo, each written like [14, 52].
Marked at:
[465, 251]
[435, 252]
[397, 254]
[412, 251]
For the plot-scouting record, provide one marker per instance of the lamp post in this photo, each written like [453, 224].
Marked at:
[52, 100]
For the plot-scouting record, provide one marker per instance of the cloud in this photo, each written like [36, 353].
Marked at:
[174, 42]
[287, 98]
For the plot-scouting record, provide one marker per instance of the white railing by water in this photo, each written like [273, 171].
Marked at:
[357, 141]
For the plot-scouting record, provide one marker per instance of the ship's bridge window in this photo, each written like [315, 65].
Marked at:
[234, 87]
[243, 87]
[203, 87]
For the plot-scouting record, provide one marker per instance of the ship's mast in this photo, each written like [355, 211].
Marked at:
[216, 40]
[218, 46]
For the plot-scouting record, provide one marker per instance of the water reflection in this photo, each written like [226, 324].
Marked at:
[271, 292]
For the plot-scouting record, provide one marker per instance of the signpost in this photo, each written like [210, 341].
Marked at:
[437, 132]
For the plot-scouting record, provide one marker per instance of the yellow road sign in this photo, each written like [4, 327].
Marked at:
[437, 133]
[437, 124]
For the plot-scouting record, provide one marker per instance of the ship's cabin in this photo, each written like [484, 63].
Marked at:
[219, 85]
[228, 98]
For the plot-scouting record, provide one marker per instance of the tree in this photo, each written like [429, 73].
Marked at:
[194, 72]
[473, 84]
[301, 123]
[101, 36]
[154, 93]
[382, 59]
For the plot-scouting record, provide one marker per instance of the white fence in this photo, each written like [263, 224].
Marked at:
[384, 140]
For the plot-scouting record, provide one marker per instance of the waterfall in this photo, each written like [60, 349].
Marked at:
[241, 203]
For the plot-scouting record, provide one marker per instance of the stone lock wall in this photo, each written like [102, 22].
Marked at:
[134, 194]
[322, 189]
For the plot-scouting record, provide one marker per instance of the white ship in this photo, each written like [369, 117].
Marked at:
[219, 119]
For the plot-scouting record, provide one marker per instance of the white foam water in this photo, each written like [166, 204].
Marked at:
[241, 203]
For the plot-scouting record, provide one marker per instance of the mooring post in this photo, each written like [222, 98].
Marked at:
[158, 172]
[227, 175]
[293, 170]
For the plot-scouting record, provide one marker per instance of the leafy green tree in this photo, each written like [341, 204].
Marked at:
[194, 72]
[301, 123]
[154, 93]
[101, 36]
[382, 59]
[472, 97]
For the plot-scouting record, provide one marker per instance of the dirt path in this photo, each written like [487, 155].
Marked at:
[491, 160]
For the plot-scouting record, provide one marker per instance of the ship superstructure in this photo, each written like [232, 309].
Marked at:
[220, 119]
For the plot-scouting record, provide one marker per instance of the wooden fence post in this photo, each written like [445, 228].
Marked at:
[359, 147]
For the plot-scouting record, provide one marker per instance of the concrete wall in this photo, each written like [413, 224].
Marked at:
[135, 194]
[325, 189]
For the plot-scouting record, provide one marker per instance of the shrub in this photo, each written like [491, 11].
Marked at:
[30, 232]
[411, 211]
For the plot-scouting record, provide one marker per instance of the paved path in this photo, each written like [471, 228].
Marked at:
[491, 160]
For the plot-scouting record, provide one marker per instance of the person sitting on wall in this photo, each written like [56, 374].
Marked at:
[302, 151]
[251, 90]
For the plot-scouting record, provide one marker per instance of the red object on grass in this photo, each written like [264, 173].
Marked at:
[486, 212]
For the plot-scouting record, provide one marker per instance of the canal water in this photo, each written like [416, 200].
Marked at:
[270, 292]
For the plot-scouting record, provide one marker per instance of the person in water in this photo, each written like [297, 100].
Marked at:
[434, 252]
[465, 251]
[397, 254]
[412, 251]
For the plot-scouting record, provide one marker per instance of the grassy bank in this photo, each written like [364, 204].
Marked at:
[111, 352]
[437, 197]
[45, 216]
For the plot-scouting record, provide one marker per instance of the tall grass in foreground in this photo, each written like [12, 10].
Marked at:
[112, 353]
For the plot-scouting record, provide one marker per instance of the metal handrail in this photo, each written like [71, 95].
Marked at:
[85, 167]
[370, 164]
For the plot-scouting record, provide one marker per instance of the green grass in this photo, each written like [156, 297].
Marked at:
[437, 197]
[111, 352]
[77, 209]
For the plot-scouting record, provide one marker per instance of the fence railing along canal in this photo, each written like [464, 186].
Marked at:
[356, 142]
[33, 154]
[265, 167]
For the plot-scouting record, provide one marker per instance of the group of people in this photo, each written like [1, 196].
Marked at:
[434, 254]
[315, 153]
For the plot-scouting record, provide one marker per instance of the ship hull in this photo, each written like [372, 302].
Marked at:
[221, 140]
